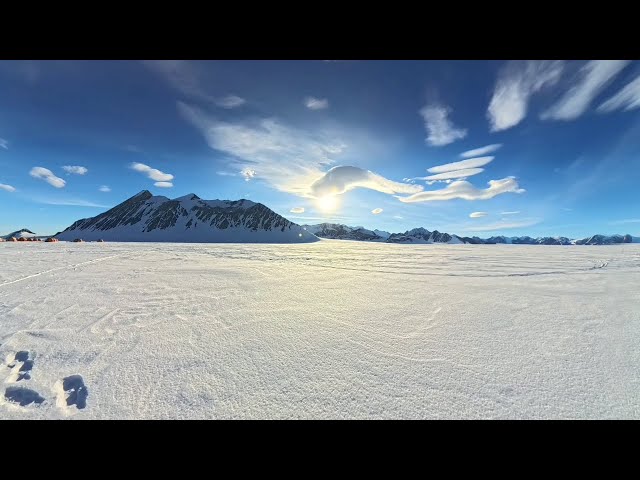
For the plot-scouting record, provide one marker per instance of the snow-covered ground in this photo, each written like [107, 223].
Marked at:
[332, 329]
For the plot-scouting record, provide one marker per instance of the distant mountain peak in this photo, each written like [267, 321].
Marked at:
[23, 232]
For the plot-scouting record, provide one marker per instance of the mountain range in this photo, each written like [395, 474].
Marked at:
[148, 218]
[422, 236]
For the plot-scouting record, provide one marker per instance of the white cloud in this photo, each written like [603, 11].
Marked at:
[230, 101]
[510, 213]
[163, 184]
[440, 130]
[152, 173]
[464, 173]
[626, 99]
[4, 144]
[313, 103]
[72, 202]
[516, 83]
[75, 169]
[625, 221]
[461, 165]
[594, 77]
[476, 152]
[247, 173]
[398, 217]
[297, 210]
[478, 214]
[504, 225]
[341, 179]
[48, 176]
[181, 75]
[377, 211]
[466, 191]
[104, 188]
[287, 158]
[226, 174]
[7, 188]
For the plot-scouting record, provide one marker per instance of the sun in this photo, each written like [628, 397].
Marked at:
[327, 203]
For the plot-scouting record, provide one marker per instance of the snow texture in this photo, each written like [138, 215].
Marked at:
[331, 329]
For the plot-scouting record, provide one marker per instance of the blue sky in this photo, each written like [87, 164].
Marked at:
[548, 147]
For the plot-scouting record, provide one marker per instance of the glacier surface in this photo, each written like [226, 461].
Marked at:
[332, 329]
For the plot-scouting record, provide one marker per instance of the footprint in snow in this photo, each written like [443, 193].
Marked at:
[20, 365]
[71, 392]
[23, 396]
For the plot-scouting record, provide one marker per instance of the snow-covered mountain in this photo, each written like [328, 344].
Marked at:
[343, 232]
[22, 233]
[607, 240]
[526, 240]
[593, 240]
[422, 235]
[148, 218]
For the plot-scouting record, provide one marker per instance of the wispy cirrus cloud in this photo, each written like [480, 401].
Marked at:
[133, 148]
[593, 77]
[67, 201]
[464, 190]
[377, 211]
[440, 130]
[478, 152]
[7, 188]
[625, 221]
[341, 179]
[104, 188]
[478, 214]
[4, 144]
[628, 98]
[152, 173]
[504, 225]
[75, 169]
[313, 103]
[163, 184]
[48, 176]
[230, 101]
[288, 158]
[181, 75]
[510, 213]
[186, 78]
[297, 210]
[461, 165]
[517, 82]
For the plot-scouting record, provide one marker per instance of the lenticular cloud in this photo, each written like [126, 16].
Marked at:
[461, 165]
[339, 180]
